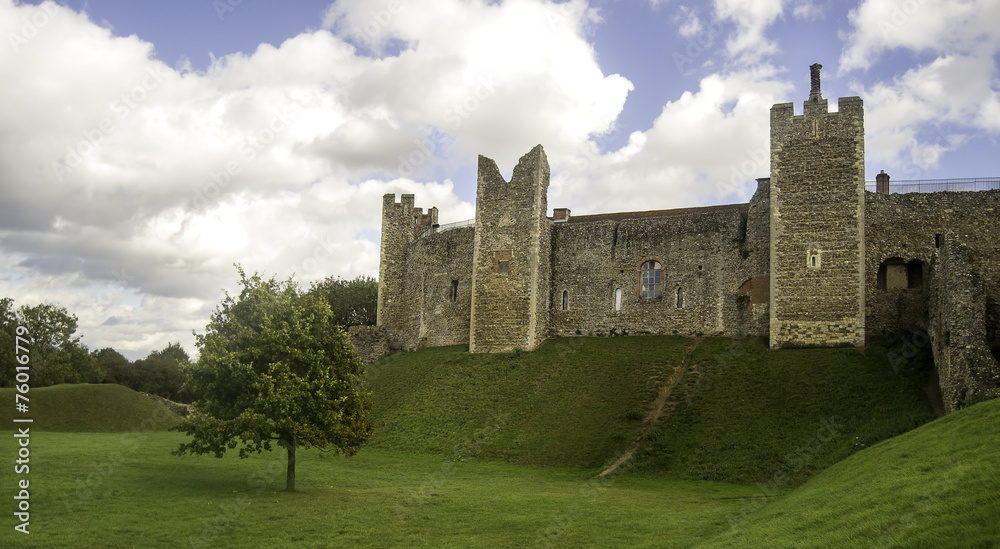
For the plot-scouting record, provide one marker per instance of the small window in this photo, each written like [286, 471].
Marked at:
[650, 283]
[813, 259]
[915, 274]
[501, 261]
[618, 299]
[565, 300]
[454, 290]
[937, 240]
[680, 298]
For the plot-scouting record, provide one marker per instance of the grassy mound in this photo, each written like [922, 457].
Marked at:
[84, 407]
[936, 486]
[573, 401]
[752, 415]
[747, 415]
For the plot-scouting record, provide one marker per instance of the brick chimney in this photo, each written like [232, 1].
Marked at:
[882, 183]
[560, 214]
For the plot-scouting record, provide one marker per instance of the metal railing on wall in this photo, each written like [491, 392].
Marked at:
[448, 227]
[938, 185]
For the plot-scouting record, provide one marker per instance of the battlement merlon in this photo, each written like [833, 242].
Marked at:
[404, 217]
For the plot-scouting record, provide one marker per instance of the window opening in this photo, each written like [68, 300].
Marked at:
[651, 279]
[618, 299]
[565, 300]
[915, 274]
[501, 261]
[454, 290]
[680, 298]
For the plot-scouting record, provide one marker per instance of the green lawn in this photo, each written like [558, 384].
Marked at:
[127, 490]
[502, 451]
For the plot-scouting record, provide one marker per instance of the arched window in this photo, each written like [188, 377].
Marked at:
[891, 275]
[680, 298]
[618, 299]
[650, 281]
[565, 300]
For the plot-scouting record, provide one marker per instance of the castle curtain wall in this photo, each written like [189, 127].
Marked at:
[910, 227]
[700, 252]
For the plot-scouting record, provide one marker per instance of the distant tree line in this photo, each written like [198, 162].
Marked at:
[58, 356]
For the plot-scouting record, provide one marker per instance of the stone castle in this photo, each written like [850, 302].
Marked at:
[812, 260]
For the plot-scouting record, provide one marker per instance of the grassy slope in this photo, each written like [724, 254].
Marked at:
[573, 402]
[83, 407]
[753, 415]
[937, 486]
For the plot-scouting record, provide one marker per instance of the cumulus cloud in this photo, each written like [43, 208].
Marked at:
[920, 26]
[750, 42]
[917, 117]
[130, 187]
[706, 147]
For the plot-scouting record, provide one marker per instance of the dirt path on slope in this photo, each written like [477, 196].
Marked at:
[659, 404]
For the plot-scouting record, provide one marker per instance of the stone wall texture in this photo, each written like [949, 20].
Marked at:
[817, 224]
[959, 296]
[812, 259]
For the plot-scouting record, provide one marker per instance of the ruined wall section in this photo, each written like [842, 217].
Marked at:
[754, 293]
[960, 295]
[817, 285]
[512, 262]
[702, 251]
[909, 227]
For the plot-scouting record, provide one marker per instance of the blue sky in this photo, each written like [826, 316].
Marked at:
[147, 146]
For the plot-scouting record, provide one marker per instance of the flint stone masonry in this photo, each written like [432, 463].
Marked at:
[510, 309]
[371, 343]
[812, 259]
[817, 223]
[967, 371]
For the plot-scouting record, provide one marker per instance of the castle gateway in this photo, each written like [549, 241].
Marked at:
[812, 259]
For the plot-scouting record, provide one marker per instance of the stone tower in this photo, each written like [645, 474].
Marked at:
[401, 225]
[817, 222]
[512, 258]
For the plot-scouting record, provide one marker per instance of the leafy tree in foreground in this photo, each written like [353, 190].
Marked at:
[276, 369]
[353, 302]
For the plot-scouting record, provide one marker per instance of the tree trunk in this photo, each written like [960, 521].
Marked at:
[290, 473]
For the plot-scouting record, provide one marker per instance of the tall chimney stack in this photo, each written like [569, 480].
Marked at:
[814, 93]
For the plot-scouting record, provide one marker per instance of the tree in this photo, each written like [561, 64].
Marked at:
[114, 365]
[353, 302]
[56, 355]
[276, 369]
[162, 372]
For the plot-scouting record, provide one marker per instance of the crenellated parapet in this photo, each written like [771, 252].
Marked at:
[817, 294]
[402, 223]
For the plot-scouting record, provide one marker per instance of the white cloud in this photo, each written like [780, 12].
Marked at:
[928, 111]
[275, 159]
[705, 147]
[752, 20]
[920, 26]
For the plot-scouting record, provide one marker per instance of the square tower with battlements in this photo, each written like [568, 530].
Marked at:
[817, 222]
